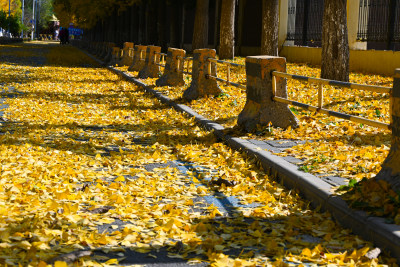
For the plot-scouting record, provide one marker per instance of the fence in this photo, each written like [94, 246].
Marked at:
[319, 108]
[205, 59]
[379, 21]
[305, 22]
[228, 65]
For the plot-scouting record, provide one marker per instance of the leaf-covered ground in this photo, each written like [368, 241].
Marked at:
[92, 164]
[334, 147]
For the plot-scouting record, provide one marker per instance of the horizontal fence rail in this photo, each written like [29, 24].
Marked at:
[142, 55]
[228, 72]
[319, 108]
[187, 59]
[162, 59]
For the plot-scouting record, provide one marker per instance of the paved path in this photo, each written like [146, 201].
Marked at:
[236, 226]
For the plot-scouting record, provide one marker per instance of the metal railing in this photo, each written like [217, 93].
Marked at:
[319, 108]
[162, 59]
[187, 59]
[228, 72]
[379, 21]
[305, 22]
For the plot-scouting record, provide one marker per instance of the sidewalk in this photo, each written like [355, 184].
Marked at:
[99, 172]
[318, 190]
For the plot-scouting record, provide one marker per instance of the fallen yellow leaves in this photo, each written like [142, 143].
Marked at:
[90, 162]
[363, 148]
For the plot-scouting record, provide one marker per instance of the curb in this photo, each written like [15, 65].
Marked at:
[374, 229]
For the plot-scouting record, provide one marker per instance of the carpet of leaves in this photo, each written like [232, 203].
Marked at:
[61, 177]
[334, 146]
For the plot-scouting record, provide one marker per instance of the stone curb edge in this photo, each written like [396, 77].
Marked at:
[374, 229]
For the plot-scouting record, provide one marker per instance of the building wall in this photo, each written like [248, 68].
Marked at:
[366, 61]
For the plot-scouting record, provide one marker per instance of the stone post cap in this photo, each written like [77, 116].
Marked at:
[397, 73]
[256, 59]
[128, 45]
[154, 47]
[174, 49]
[205, 50]
[141, 47]
[262, 66]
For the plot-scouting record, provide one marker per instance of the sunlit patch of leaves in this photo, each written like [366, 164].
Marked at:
[60, 180]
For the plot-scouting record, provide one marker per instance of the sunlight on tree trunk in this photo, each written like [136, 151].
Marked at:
[200, 32]
[335, 44]
[270, 28]
[227, 32]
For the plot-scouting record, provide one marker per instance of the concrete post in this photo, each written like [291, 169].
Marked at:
[173, 72]
[100, 49]
[260, 109]
[390, 171]
[137, 62]
[126, 60]
[104, 50]
[115, 55]
[200, 85]
[150, 69]
[109, 50]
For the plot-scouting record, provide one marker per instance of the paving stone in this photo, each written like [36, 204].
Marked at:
[292, 159]
[150, 167]
[309, 239]
[335, 181]
[265, 146]
[281, 143]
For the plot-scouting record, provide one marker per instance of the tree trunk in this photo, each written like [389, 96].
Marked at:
[142, 21]
[174, 26]
[335, 44]
[161, 24]
[152, 23]
[227, 31]
[270, 27]
[200, 32]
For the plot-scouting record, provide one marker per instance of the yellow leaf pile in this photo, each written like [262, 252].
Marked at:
[76, 151]
[335, 147]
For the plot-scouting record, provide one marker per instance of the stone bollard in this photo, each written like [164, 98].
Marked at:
[173, 72]
[260, 109]
[200, 85]
[390, 171]
[93, 48]
[151, 69]
[115, 55]
[138, 58]
[126, 59]
[102, 50]
[109, 50]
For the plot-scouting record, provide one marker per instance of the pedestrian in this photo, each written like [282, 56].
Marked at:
[62, 35]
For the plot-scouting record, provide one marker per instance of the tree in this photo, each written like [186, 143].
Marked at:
[270, 27]
[227, 30]
[335, 44]
[200, 32]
